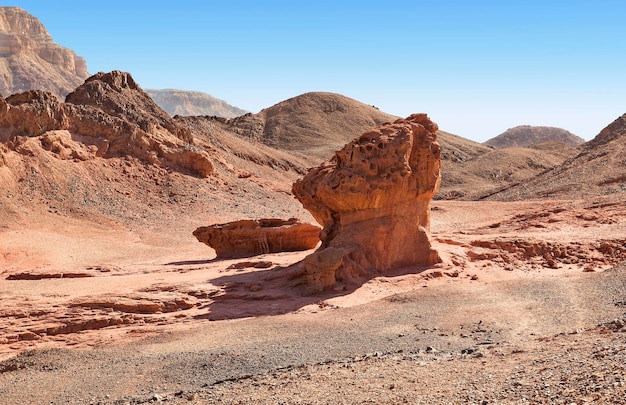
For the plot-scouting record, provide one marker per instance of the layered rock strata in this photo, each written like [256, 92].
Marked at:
[373, 200]
[30, 59]
[248, 238]
[109, 115]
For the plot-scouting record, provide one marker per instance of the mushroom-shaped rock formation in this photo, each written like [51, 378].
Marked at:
[373, 200]
[249, 237]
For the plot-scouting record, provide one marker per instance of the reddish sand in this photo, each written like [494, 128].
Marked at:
[62, 288]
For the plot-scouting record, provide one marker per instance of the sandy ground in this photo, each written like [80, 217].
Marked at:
[140, 315]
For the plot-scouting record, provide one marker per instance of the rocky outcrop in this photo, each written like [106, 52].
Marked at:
[248, 238]
[107, 116]
[373, 200]
[118, 95]
[32, 113]
[31, 60]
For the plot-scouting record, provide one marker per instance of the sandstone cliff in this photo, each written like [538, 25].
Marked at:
[30, 59]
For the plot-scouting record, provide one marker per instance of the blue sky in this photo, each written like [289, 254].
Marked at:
[476, 67]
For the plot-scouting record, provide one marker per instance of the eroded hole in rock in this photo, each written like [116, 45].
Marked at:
[362, 236]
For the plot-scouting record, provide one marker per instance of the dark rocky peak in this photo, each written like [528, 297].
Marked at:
[117, 94]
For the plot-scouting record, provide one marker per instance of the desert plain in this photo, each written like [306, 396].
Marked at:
[106, 296]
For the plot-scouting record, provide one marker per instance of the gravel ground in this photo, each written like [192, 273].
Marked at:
[535, 339]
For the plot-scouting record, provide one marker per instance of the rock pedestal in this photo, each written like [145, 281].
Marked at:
[373, 200]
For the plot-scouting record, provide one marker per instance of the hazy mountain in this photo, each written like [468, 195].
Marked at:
[598, 169]
[192, 103]
[525, 135]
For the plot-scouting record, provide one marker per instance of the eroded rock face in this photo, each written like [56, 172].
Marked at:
[117, 94]
[30, 59]
[109, 115]
[248, 238]
[373, 200]
[32, 113]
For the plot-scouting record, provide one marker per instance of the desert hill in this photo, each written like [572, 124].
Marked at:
[525, 135]
[110, 153]
[30, 59]
[193, 103]
[599, 168]
[494, 169]
[316, 123]
[313, 125]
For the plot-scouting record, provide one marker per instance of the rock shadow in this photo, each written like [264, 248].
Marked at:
[192, 262]
[276, 291]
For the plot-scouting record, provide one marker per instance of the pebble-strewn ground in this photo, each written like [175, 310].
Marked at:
[585, 367]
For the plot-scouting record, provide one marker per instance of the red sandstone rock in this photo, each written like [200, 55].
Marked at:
[117, 94]
[32, 113]
[107, 116]
[373, 200]
[247, 238]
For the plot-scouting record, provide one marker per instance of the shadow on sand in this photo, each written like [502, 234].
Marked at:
[192, 262]
[274, 291]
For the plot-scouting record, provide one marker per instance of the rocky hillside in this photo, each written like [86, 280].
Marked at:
[109, 153]
[598, 169]
[313, 126]
[193, 103]
[525, 135]
[492, 170]
[316, 124]
[30, 59]
[108, 116]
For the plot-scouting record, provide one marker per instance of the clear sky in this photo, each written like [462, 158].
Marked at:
[476, 67]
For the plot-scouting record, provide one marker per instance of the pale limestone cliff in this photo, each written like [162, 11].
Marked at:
[31, 60]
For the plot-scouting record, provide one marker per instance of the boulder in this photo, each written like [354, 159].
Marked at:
[248, 238]
[373, 200]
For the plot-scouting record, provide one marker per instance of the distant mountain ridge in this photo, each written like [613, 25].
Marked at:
[31, 60]
[598, 169]
[192, 103]
[315, 125]
[526, 135]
